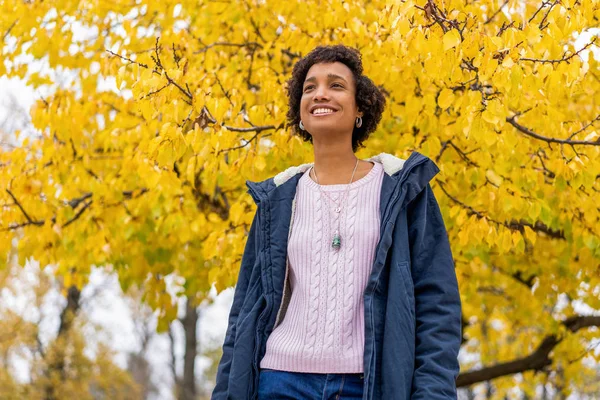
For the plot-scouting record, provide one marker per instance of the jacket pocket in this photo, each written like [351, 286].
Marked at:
[251, 295]
[406, 277]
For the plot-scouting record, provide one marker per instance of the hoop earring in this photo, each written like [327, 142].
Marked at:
[358, 122]
[301, 126]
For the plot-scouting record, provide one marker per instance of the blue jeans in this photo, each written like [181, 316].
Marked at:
[284, 385]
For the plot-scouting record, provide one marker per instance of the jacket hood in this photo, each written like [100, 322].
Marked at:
[393, 167]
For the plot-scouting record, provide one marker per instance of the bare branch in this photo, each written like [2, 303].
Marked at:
[512, 225]
[529, 132]
[487, 21]
[563, 59]
[73, 203]
[541, 25]
[535, 361]
[585, 127]
[461, 153]
[251, 128]
[78, 214]
[9, 29]
[127, 59]
[27, 217]
[247, 44]
[245, 144]
[544, 4]
[169, 79]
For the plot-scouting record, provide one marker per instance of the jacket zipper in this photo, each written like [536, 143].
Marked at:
[285, 279]
[254, 388]
[262, 314]
[372, 322]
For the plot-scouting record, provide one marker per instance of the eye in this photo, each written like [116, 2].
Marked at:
[335, 83]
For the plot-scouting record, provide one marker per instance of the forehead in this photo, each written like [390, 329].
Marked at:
[321, 70]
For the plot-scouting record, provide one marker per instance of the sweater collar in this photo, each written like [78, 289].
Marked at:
[283, 184]
[391, 165]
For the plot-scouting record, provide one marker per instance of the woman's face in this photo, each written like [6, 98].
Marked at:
[328, 102]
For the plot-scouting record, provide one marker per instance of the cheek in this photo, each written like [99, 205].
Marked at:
[303, 106]
[349, 103]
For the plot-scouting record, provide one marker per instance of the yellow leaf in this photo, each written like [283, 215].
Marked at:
[507, 62]
[505, 241]
[446, 98]
[146, 109]
[120, 76]
[493, 177]
[236, 212]
[530, 235]
[191, 171]
[451, 39]
[213, 274]
[260, 163]
[534, 211]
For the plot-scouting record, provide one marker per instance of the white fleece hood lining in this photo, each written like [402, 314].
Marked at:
[391, 165]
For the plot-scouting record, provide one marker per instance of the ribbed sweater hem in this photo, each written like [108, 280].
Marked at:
[293, 363]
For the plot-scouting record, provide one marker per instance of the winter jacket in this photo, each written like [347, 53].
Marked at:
[412, 307]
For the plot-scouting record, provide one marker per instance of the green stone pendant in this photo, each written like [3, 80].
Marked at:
[337, 241]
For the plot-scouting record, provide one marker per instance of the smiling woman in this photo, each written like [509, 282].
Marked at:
[347, 287]
[331, 77]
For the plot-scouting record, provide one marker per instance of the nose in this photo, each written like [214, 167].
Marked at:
[320, 93]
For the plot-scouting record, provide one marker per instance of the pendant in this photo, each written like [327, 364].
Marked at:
[337, 240]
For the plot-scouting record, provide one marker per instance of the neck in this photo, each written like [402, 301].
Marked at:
[334, 166]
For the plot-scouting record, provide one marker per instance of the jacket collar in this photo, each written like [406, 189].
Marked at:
[393, 167]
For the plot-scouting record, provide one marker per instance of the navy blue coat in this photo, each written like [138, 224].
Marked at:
[411, 301]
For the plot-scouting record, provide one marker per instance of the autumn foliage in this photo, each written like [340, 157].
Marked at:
[147, 177]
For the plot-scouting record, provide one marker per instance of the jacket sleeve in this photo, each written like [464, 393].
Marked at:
[437, 301]
[220, 391]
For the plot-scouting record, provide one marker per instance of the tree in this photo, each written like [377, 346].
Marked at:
[149, 177]
[57, 366]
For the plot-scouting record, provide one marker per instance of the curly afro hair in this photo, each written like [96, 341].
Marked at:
[369, 98]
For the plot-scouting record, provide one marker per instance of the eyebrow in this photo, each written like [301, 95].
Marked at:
[329, 76]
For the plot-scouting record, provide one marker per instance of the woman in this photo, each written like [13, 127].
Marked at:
[347, 288]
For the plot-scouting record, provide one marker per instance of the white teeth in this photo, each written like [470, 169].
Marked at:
[322, 111]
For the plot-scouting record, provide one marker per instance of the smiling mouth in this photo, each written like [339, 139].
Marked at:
[319, 114]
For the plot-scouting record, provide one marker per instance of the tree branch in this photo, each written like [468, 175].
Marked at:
[535, 361]
[169, 79]
[585, 127]
[27, 217]
[512, 225]
[73, 203]
[128, 59]
[9, 29]
[487, 21]
[563, 59]
[529, 132]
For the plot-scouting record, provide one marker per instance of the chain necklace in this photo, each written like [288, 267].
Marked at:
[336, 243]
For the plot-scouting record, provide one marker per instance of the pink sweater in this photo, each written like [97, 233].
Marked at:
[323, 327]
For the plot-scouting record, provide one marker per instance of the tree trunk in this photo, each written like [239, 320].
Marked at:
[189, 322]
[66, 320]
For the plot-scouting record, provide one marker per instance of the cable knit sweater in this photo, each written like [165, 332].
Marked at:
[323, 327]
